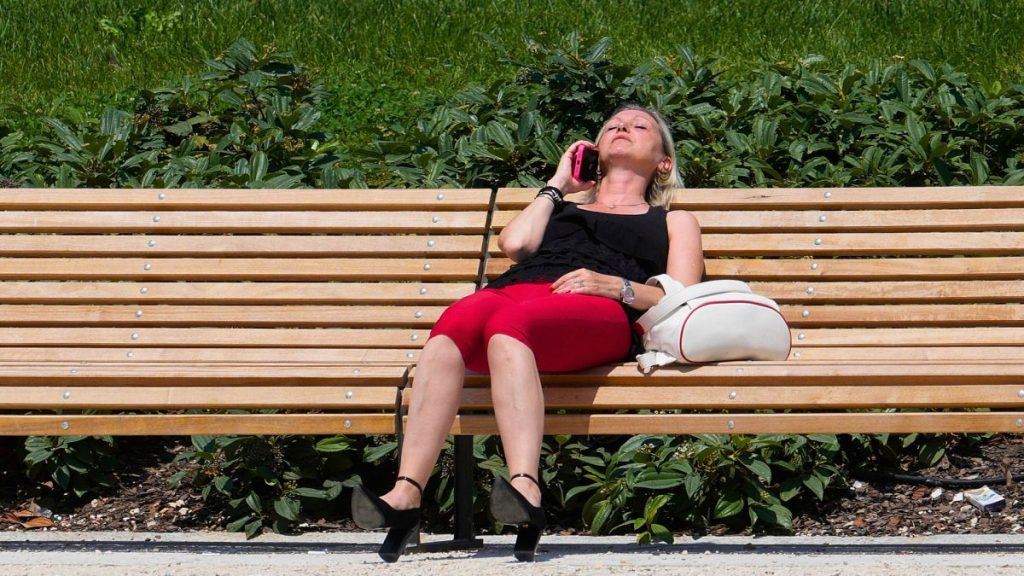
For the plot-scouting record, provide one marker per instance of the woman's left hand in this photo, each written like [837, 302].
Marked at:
[585, 281]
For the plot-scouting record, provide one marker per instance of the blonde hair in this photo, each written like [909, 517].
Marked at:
[660, 188]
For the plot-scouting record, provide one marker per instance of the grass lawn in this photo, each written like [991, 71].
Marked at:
[69, 58]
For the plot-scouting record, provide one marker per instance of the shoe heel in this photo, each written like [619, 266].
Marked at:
[527, 541]
[396, 541]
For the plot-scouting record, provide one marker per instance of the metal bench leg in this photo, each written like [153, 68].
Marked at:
[463, 538]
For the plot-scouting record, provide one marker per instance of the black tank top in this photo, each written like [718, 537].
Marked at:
[633, 246]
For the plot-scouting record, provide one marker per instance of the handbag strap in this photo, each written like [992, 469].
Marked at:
[676, 295]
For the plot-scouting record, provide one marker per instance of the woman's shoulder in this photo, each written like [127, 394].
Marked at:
[681, 218]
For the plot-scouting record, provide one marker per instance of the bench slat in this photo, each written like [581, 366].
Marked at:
[355, 356]
[238, 269]
[238, 316]
[240, 246]
[861, 423]
[905, 315]
[902, 337]
[987, 354]
[165, 222]
[784, 373]
[245, 199]
[871, 269]
[217, 337]
[234, 292]
[980, 291]
[865, 244]
[423, 316]
[962, 220]
[140, 374]
[862, 244]
[880, 269]
[198, 397]
[811, 198]
[615, 397]
[188, 424]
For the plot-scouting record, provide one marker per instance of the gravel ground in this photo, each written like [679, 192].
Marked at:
[208, 554]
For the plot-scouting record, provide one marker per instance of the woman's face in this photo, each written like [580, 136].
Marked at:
[631, 138]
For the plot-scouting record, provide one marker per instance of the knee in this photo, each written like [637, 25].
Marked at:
[441, 353]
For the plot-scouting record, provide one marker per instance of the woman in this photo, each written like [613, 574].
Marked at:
[569, 303]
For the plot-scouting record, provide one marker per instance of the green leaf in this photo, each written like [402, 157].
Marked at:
[176, 478]
[287, 508]
[223, 484]
[814, 484]
[654, 505]
[315, 493]
[604, 512]
[659, 480]
[730, 503]
[662, 534]
[758, 467]
[693, 484]
[62, 476]
[776, 515]
[204, 443]
[257, 166]
[789, 489]
[580, 490]
[237, 525]
[254, 502]
[64, 134]
[252, 529]
[375, 453]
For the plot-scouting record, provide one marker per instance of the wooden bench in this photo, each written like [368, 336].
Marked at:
[315, 302]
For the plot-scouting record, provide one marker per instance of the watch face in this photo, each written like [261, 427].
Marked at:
[628, 296]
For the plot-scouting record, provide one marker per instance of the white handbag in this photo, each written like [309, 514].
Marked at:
[711, 322]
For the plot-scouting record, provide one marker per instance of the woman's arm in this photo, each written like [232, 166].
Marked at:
[685, 252]
[521, 238]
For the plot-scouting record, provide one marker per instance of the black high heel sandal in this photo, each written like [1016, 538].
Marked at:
[370, 513]
[509, 506]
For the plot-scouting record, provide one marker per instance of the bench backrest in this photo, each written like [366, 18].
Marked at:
[866, 274]
[345, 274]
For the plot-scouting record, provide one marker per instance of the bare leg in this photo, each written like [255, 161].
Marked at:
[440, 374]
[518, 407]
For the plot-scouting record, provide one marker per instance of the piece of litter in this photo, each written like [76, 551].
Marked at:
[936, 493]
[985, 499]
[958, 497]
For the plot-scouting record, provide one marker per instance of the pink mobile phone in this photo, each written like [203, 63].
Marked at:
[584, 166]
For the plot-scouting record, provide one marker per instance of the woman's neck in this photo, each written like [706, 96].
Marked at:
[622, 188]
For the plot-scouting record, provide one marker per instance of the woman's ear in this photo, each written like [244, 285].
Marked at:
[665, 166]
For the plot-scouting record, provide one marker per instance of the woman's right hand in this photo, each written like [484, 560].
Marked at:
[563, 179]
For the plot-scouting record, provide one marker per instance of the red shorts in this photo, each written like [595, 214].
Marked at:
[566, 332]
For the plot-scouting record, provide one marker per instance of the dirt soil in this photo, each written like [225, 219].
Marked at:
[145, 501]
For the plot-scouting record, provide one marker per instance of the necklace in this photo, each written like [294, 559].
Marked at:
[614, 206]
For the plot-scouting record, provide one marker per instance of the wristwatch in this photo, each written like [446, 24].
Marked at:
[627, 294]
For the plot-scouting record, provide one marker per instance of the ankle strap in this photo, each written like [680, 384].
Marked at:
[524, 475]
[411, 481]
